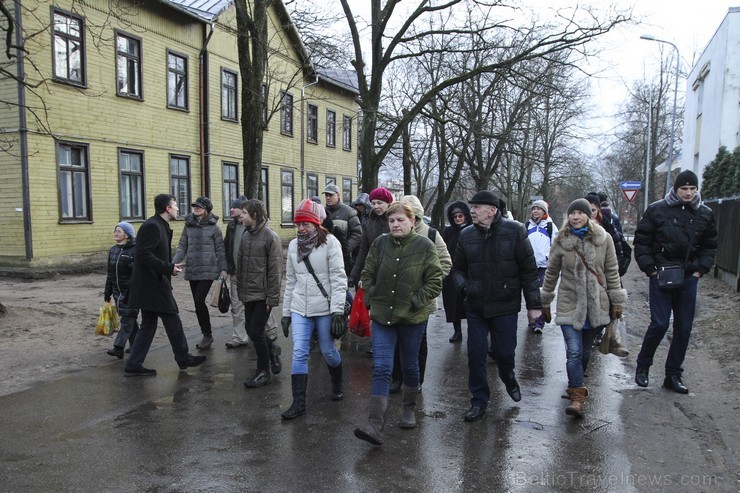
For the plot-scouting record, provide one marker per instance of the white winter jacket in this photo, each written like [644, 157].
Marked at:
[302, 295]
[540, 240]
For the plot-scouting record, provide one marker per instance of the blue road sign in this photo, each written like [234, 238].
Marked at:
[631, 185]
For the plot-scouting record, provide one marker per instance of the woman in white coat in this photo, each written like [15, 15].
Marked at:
[313, 301]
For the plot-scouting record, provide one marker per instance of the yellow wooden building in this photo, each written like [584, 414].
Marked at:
[125, 100]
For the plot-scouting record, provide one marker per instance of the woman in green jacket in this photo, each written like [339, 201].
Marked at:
[402, 274]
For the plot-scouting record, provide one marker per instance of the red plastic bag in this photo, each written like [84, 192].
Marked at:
[359, 317]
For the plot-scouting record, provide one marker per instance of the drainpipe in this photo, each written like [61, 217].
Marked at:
[23, 134]
[303, 136]
[205, 140]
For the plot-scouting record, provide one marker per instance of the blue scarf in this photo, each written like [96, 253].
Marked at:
[580, 232]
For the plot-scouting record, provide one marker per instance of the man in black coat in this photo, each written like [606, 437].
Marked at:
[493, 266]
[151, 290]
[679, 231]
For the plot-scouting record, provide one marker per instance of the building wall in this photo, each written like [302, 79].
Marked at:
[94, 115]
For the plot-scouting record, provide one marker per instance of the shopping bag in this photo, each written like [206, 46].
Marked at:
[108, 320]
[614, 340]
[224, 299]
[359, 317]
[215, 297]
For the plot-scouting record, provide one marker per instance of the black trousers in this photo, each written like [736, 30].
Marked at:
[200, 291]
[255, 318]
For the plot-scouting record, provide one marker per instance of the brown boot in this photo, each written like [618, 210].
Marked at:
[577, 399]
[373, 431]
[408, 418]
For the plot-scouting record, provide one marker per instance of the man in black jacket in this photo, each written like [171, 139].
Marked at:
[677, 230]
[151, 290]
[494, 265]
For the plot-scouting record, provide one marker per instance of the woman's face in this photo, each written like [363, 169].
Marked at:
[198, 211]
[595, 211]
[577, 219]
[118, 235]
[400, 224]
[380, 206]
[459, 218]
[305, 227]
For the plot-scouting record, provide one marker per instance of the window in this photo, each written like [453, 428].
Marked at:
[177, 81]
[68, 48]
[347, 190]
[286, 197]
[286, 114]
[231, 186]
[228, 95]
[347, 133]
[180, 181]
[128, 66]
[74, 181]
[265, 189]
[312, 124]
[331, 128]
[330, 180]
[131, 179]
[312, 185]
[265, 93]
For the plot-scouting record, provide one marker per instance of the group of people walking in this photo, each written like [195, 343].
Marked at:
[482, 264]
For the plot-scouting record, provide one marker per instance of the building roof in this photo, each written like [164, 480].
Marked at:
[346, 79]
[205, 10]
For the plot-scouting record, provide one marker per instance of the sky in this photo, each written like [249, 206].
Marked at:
[624, 57]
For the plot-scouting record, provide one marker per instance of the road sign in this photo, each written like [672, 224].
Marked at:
[629, 194]
[631, 185]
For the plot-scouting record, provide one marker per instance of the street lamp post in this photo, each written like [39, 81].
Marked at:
[650, 37]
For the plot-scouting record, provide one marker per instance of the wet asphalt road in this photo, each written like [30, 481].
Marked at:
[201, 430]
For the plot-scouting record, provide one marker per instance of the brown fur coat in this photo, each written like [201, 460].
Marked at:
[580, 294]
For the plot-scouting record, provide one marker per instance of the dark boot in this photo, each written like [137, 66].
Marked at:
[577, 402]
[408, 417]
[373, 431]
[275, 351]
[336, 382]
[641, 375]
[457, 335]
[298, 408]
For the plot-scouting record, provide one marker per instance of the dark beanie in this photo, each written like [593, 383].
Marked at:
[593, 199]
[485, 197]
[580, 205]
[686, 177]
[239, 202]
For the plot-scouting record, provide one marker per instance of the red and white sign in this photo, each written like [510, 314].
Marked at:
[630, 194]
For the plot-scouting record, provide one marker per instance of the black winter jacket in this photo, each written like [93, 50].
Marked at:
[493, 267]
[669, 229]
[375, 226]
[120, 267]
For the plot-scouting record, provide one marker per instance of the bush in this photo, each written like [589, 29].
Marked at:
[721, 177]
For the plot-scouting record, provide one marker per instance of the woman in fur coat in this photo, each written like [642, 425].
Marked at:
[590, 294]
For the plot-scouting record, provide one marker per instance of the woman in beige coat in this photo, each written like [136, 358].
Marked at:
[590, 294]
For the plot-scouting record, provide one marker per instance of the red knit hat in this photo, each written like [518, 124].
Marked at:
[308, 212]
[381, 193]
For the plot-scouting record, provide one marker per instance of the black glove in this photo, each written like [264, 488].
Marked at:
[285, 324]
[350, 282]
[337, 325]
[106, 298]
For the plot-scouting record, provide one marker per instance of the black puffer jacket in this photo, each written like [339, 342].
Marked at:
[452, 299]
[120, 267]
[493, 267]
[669, 229]
[375, 226]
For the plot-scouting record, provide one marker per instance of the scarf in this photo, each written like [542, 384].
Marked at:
[672, 199]
[306, 243]
[580, 232]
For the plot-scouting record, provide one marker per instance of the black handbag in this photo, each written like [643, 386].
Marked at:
[224, 299]
[670, 276]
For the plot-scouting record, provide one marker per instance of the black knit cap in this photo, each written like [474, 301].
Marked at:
[593, 199]
[580, 205]
[485, 197]
[684, 178]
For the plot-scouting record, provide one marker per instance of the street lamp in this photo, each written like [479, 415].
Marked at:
[650, 37]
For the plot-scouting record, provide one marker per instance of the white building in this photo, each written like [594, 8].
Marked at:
[712, 114]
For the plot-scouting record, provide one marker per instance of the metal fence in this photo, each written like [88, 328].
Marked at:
[727, 217]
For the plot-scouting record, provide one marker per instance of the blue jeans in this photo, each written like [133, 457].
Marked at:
[503, 345]
[578, 345]
[683, 304]
[302, 329]
[384, 339]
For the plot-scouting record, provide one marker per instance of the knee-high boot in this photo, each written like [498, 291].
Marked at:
[336, 382]
[298, 408]
[408, 417]
[373, 431]
[577, 402]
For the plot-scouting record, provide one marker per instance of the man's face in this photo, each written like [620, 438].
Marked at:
[172, 210]
[246, 219]
[482, 214]
[235, 212]
[331, 198]
[687, 193]
[537, 214]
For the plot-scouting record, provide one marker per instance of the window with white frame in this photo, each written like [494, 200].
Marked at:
[286, 114]
[74, 181]
[347, 133]
[312, 124]
[286, 196]
[228, 95]
[312, 185]
[68, 45]
[177, 81]
[128, 66]
[347, 190]
[131, 183]
[231, 186]
[180, 181]
[331, 128]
